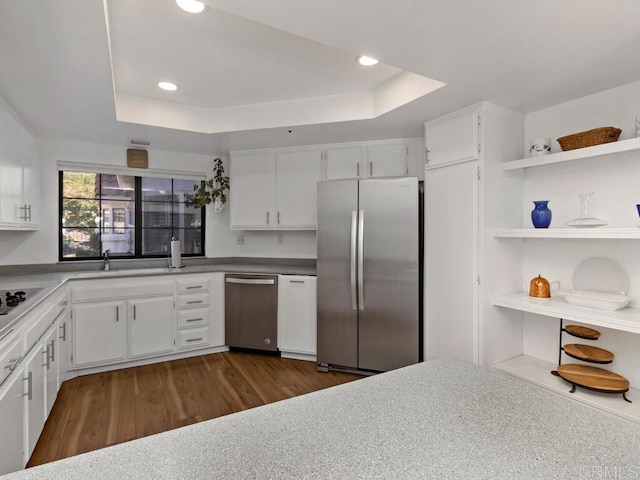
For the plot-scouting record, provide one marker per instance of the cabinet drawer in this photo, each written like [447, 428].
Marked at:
[193, 318]
[193, 301]
[193, 338]
[193, 286]
[95, 290]
[42, 322]
[9, 359]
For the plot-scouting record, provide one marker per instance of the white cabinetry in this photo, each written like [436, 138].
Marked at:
[194, 312]
[35, 366]
[387, 159]
[464, 192]
[19, 175]
[453, 139]
[274, 189]
[151, 326]
[344, 162]
[99, 332]
[297, 315]
[11, 419]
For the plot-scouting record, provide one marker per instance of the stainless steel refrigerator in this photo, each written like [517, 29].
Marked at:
[369, 274]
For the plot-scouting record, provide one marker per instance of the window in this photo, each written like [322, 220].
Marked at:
[132, 217]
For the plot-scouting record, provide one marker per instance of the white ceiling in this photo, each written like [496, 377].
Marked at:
[68, 71]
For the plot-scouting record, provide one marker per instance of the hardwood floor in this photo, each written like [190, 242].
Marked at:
[95, 411]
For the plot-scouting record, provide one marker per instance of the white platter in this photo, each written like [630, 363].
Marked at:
[601, 275]
[588, 222]
[599, 300]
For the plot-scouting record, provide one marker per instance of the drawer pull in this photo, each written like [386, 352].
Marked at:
[194, 302]
[63, 327]
[29, 381]
[194, 339]
[194, 320]
[194, 287]
[12, 364]
[296, 281]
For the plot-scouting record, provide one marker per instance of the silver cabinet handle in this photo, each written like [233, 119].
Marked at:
[46, 356]
[267, 218]
[134, 312]
[251, 281]
[64, 332]
[296, 281]
[194, 287]
[12, 364]
[117, 313]
[361, 260]
[194, 302]
[194, 339]
[29, 381]
[353, 254]
[52, 353]
[358, 169]
[28, 213]
[371, 168]
[278, 217]
[194, 320]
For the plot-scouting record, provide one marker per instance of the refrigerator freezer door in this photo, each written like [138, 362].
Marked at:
[337, 317]
[389, 310]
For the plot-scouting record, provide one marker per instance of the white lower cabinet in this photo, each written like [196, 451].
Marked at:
[35, 367]
[63, 325]
[151, 326]
[12, 456]
[99, 332]
[297, 314]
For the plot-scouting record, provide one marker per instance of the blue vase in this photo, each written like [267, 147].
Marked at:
[541, 215]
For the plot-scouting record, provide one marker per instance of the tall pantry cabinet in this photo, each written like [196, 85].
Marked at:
[466, 195]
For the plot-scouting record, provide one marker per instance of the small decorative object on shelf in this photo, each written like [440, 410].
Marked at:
[541, 215]
[540, 146]
[584, 219]
[597, 136]
[213, 190]
[584, 376]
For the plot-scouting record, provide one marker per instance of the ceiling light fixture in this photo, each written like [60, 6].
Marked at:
[168, 86]
[366, 61]
[191, 6]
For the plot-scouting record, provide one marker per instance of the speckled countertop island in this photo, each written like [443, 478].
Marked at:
[443, 419]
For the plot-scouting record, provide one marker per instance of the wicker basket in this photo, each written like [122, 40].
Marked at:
[597, 136]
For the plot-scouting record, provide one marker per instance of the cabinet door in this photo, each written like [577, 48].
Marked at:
[297, 175]
[151, 326]
[99, 333]
[11, 419]
[252, 191]
[11, 157]
[35, 403]
[451, 246]
[50, 345]
[217, 309]
[64, 351]
[297, 314]
[452, 139]
[31, 181]
[344, 162]
[387, 160]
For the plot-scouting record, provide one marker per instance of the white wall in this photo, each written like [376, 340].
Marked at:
[41, 246]
[615, 182]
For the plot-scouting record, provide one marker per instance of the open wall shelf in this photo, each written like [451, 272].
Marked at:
[605, 233]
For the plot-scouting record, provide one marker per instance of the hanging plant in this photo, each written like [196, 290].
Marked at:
[212, 190]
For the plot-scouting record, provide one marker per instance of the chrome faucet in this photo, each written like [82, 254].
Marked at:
[107, 265]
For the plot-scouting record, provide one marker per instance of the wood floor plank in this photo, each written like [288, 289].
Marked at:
[103, 409]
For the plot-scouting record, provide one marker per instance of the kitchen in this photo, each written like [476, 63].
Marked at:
[581, 91]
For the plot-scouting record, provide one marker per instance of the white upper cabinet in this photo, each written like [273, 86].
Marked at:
[274, 189]
[387, 159]
[343, 162]
[19, 170]
[452, 139]
[253, 184]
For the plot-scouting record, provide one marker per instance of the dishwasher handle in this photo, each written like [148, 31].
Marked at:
[251, 281]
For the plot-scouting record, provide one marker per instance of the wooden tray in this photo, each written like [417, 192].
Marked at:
[593, 378]
[582, 332]
[588, 353]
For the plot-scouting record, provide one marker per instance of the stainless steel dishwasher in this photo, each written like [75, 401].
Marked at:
[251, 311]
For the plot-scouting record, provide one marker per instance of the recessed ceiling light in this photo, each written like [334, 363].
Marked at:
[191, 6]
[366, 61]
[170, 87]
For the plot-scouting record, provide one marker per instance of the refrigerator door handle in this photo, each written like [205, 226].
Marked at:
[361, 260]
[354, 233]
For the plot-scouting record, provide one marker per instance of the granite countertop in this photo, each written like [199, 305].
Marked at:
[443, 419]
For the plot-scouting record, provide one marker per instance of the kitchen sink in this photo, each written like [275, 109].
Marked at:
[124, 272]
